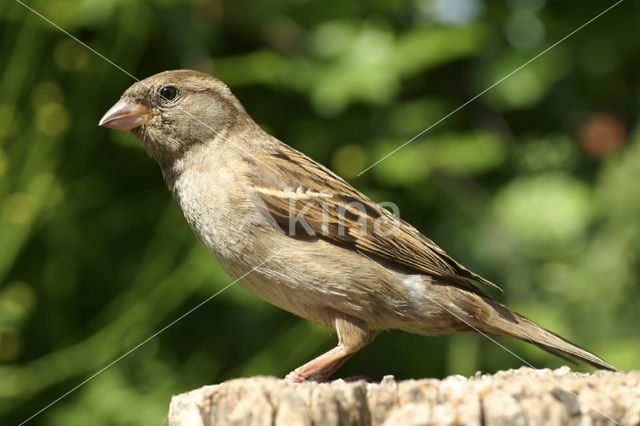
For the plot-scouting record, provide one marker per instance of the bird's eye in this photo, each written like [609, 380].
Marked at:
[168, 93]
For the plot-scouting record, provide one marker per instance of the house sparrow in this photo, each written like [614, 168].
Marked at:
[298, 236]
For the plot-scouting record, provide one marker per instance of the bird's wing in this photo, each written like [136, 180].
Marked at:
[305, 199]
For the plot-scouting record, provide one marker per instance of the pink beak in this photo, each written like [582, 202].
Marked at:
[126, 115]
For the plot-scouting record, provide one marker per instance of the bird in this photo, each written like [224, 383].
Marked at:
[298, 236]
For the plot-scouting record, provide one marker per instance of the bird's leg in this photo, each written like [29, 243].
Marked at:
[353, 334]
[320, 368]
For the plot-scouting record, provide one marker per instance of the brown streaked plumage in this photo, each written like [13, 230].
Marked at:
[302, 238]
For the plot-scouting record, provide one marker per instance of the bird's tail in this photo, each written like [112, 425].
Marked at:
[505, 322]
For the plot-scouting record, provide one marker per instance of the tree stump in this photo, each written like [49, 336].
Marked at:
[516, 397]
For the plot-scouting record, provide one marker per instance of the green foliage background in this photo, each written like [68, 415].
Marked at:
[534, 184]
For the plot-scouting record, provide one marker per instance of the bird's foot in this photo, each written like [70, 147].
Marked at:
[294, 377]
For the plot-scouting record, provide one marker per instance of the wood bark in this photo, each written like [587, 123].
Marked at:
[515, 397]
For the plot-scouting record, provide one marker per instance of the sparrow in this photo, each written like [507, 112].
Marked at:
[296, 235]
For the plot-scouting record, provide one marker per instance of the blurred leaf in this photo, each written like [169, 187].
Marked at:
[528, 85]
[544, 208]
[463, 153]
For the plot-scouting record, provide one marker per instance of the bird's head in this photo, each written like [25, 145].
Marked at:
[173, 110]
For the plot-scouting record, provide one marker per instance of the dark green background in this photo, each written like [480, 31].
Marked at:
[534, 184]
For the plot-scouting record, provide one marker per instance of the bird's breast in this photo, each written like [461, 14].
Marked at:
[215, 210]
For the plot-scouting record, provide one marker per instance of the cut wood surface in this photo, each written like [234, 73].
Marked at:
[516, 397]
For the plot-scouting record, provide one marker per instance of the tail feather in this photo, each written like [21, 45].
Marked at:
[465, 310]
[516, 325]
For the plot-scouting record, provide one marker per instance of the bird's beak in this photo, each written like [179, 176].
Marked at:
[126, 115]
